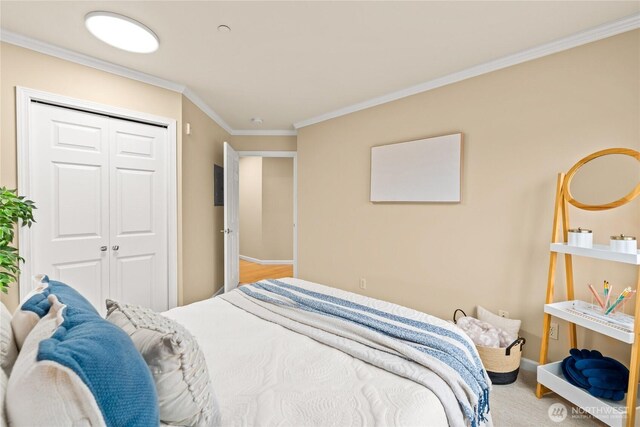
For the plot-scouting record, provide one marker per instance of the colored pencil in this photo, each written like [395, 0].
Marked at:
[595, 294]
[618, 300]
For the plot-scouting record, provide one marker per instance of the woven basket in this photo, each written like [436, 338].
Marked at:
[502, 364]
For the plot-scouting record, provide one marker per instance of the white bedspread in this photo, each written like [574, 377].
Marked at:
[266, 375]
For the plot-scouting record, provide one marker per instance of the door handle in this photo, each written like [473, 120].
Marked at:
[103, 248]
[115, 247]
[227, 231]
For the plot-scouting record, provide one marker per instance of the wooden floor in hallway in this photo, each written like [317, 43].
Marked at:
[252, 272]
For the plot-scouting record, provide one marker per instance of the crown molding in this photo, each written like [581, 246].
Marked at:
[188, 93]
[89, 61]
[628, 23]
[98, 64]
[266, 132]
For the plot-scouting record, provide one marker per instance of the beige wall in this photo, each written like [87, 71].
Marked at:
[203, 251]
[277, 208]
[264, 143]
[266, 208]
[23, 67]
[522, 125]
[251, 207]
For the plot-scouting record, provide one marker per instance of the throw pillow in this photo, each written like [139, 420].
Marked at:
[8, 349]
[75, 368]
[36, 305]
[23, 322]
[3, 388]
[177, 364]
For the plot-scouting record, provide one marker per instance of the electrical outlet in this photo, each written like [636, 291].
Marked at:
[553, 331]
[503, 313]
[363, 283]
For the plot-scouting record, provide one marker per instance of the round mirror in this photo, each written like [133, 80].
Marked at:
[604, 180]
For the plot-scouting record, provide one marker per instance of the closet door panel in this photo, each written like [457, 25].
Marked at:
[138, 213]
[69, 173]
[135, 211]
[135, 279]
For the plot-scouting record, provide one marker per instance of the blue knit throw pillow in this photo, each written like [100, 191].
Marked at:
[105, 359]
[601, 376]
[68, 296]
[37, 305]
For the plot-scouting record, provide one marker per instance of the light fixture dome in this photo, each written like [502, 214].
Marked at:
[121, 32]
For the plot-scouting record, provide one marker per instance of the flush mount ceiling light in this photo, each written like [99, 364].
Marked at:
[121, 32]
[224, 28]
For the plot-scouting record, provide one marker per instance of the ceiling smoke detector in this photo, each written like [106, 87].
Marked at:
[256, 121]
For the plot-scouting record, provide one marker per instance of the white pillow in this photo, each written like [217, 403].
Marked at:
[185, 394]
[45, 393]
[510, 326]
[24, 321]
[77, 369]
[3, 387]
[8, 349]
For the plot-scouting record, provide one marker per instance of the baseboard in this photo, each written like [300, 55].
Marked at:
[267, 261]
[528, 364]
[220, 291]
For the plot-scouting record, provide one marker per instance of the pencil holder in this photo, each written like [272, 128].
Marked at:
[622, 307]
[619, 309]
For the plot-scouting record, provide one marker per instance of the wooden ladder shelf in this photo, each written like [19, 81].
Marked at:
[550, 377]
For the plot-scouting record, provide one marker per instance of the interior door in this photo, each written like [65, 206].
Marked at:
[138, 214]
[231, 218]
[69, 156]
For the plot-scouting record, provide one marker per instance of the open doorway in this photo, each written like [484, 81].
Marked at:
[267, 208]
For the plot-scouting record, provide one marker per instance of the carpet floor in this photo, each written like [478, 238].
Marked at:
[517, 405]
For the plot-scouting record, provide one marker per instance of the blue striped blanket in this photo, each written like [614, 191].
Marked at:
[431, 351]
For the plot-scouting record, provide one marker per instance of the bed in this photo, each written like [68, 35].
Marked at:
[284, 352]
[266, 374]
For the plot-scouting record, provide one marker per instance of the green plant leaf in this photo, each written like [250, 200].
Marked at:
[14, 210]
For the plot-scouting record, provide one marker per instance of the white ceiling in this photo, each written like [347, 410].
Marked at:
[287, 62]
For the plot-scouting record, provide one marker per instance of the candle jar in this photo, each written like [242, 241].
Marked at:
[581, 237]
[622, 243]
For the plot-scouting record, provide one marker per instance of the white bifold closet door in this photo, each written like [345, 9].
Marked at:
[100, 185]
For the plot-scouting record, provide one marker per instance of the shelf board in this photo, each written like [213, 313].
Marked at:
[598, 252]
[564, 310]
[607, 411]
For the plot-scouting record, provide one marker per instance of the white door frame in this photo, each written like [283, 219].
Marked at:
[24, 98]
[294, 156]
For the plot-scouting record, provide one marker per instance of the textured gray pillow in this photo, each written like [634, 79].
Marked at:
[3, 386]
[177, 364]
[8, 348]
